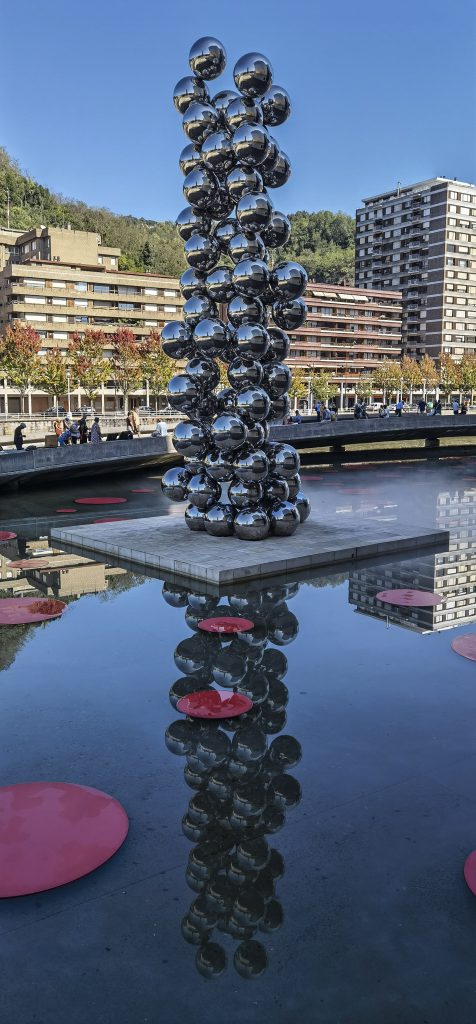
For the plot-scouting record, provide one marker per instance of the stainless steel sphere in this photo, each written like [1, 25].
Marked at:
[207, 58]
[202, 491]
[250, 144]
[277, 231]
[283, 460]
[243, 110]
[190, 221]
[280, 408]
[217, 154]
[288, 281]
[189, 158]
[210, 337]
[200, 188]
[253, 211]
[188, 90]
[250, 277]
[196, 308]
[219, 520]
[243, 372]
[242, 493]
[219, 284]
[279, 173]
[284, 518]
[253, 74]
[242, 310]
[183, 393]
[276, 379]
[243, 246]
[205, 409]
[270, 158]
[276, 106]
[226, 400]
[279, 345]
[205, 371]
[289, 315]
[223, 205]
[201, 252]
[258, 434]
[251, 340]
[190, 439]
[294, 484]
[276, 489]
[242, 180]
[228, 432]
[199, 120]
[252, 465]
[176, 339]
[219, 464]
[174, 483]
[221, 101]
[192, 282]
[194, 518]
[251, 523]
[252, 404]
[303, 506]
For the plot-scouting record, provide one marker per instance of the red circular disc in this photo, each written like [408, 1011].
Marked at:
[66, 510]
[227, 624]
[465, 645]
[54, 832]
[111, 519]
[30, 563]
[99, 501]
[410, 598]
[470, 872]
[7, 535]
[143, 490]
[16, 611]
[214, 704]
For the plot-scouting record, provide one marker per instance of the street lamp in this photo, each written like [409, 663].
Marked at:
[68, 380]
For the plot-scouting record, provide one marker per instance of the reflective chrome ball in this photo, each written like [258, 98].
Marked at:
[210, 337]
[199, 120]
[250, 277]
[219, 464]
[289, 315]
[246, 311]
[219, 284]
[253, 211]
[201, 252]
[189, 221]
[226, 400]
[245, 246]
[303, 506]
[250, 144]
[280, 408]
[197, 308]
[258, 434]
[288, 281]
[202, 491]
[252, 404]
[279, 345]
[189, 158]
[277, 231]
[244, 371]
[294, 484]
[243, 110]
[205, 371]
[228, 432]
[283, 460]
[276, 106]
[183, 393]
[207, 58]
[194, 518]
[188, 90]
[242, 493]
[251, 340]
[192, 282]
[219, 520]
[200, 188]
[224, 232]
[253, 74]
[242, 180]
[276, 489]
[252, 465]
[284, 519]
[251, 523]
[221, 101]
[190, 439]
[279, 173]
[174, 483]
[277, 378]
[217, 154]
[176, 339]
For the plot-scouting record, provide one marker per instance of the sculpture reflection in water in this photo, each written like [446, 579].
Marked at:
[237, 308]
[238, 770]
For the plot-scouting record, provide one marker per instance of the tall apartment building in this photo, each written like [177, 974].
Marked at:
[61, 281]
[348, 332]
[421, 239]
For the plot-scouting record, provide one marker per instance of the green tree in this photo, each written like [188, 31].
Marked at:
[411, 375]
[468, 375]
[19, 357]
[146, 256]
[387, 376]
[52, 377]
[365, 387]
[429, 373]
[450, 374]
[157, 368]
[127, 362]
[87, 362]
[321, 385]
[299, 387]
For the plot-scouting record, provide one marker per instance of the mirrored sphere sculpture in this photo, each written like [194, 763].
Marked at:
[237, 310]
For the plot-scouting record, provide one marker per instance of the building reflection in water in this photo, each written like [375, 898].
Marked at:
[238, 770]
[451, 574]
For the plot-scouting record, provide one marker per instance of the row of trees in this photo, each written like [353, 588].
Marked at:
[130, 365]
[392, 377]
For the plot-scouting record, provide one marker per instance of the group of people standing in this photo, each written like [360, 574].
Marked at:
[72, 431]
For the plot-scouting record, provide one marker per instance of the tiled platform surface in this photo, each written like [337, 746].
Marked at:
[165, 542]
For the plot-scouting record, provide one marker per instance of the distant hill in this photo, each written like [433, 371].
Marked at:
[323, 242]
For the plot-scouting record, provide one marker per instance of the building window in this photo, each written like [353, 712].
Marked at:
[170, 309]
[101, 288]
[150, 308]
[151, 291]
[39, 300]
[81, 302]
[100, 259]
[170, 294]
[60, 336]
[35, 316]
[58, 284]
[80, 286]
[58, 302]
[151, 323]
[113, 261]
[58, 319]
[33, 282]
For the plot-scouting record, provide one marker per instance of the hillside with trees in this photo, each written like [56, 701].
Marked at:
[323, 242]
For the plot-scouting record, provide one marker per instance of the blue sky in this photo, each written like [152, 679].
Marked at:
[381, 93]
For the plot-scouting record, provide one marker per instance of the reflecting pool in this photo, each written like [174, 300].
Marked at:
[300, 863]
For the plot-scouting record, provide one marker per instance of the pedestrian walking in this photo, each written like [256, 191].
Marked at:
[57, 428]
[96, 433]
[455, 405]
[429, 408]
[464, 408]
[363, 410]
[357, 411]
[74, 431]
[83, 430]
[134, 421]
[422, 406]
[317, 409]
[65, 437]
[436, 409]
[18, 439]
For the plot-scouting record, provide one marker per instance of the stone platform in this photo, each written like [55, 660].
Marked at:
[164, 543]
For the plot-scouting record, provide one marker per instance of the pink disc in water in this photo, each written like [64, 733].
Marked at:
[30, 563]
[226, 624]
[15, 611]
[410, 598]
[100, 501]
[470, 872]
[465, 645]
[214, 704]
[66, 510]
[7, 535]
[110, 519]
[54, 832]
